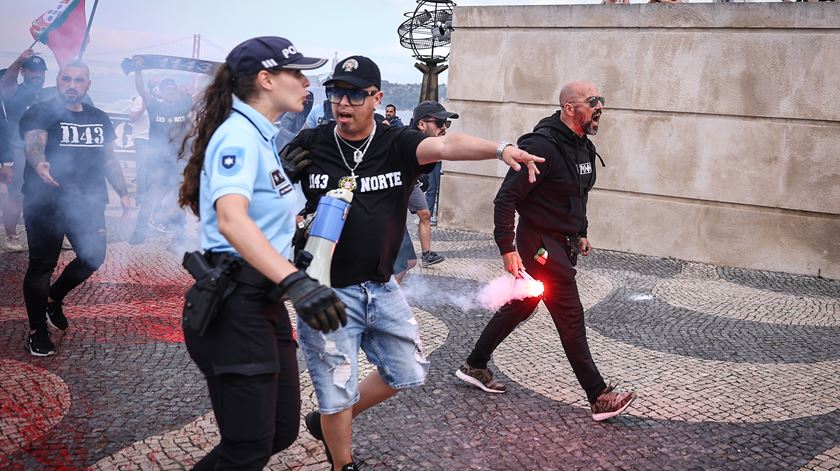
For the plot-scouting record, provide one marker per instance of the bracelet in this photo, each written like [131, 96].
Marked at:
[501, 149]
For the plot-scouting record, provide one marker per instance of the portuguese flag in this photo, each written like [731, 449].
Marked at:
[62, 29]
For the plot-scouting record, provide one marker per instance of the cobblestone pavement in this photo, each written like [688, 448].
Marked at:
[734, 369]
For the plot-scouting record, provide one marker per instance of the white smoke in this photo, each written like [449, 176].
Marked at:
[491, 296]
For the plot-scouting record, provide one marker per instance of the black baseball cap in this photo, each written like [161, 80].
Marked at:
[268, 52]
[35, 63]
[433, 109]
[358, 71]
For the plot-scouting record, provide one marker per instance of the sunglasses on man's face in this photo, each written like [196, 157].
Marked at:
[356, 96]
[592, 101]
[439, 122]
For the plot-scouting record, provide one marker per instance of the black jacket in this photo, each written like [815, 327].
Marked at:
[5, 136]
[556, 203]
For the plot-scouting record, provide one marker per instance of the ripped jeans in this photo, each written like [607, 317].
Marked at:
[379, 321]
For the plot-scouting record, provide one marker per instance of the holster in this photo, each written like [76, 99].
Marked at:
[213, 283]
[570, 246]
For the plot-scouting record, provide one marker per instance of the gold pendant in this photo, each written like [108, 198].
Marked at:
[348, 183]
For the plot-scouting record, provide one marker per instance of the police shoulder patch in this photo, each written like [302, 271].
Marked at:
[231, 160]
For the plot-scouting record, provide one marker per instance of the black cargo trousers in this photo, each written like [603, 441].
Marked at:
[562, 299]
[248, 358]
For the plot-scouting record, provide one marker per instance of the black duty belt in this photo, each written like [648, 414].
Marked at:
[245, 273]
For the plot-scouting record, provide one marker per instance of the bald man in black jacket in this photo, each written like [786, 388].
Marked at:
[552, 216]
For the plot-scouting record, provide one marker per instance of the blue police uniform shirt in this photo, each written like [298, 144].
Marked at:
[314, 116]
[241, 159]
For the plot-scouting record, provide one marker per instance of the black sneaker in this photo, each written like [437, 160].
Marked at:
[55, 317]
[350, 467]
[312, 421]
[430, 258]
[39, 344]
[611, 403]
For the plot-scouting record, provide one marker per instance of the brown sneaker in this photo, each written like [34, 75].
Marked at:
[480, 378]
[611, 403]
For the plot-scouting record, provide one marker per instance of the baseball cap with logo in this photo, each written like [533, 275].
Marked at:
[268, 52]
[358, 71]
[35, 63]
[433, 109]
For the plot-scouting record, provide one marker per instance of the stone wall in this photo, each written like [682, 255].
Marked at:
[721, 133]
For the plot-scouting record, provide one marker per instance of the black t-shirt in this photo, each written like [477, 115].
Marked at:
[375, 225]
[168, 123]
[16, 105]
[5, 135]
[75, 150]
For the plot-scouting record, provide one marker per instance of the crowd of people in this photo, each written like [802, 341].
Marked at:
[258, 154]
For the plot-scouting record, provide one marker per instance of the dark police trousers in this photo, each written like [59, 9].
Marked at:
[563, 302]
[46, 225]
[248, 358]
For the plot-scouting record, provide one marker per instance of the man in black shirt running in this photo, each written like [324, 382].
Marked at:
[69, 156]
[379, 164]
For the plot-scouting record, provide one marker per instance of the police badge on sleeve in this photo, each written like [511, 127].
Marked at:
[231, 161]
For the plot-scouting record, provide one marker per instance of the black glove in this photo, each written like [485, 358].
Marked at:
[294, 160]
[315, 303]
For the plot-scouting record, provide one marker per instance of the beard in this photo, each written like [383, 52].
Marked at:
[36, 82]
[591, 127]
[72, 99]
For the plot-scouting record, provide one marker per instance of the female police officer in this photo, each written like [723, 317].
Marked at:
[235, 182]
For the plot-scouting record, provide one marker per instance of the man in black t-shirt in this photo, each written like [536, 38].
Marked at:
[69, 156]
[168, 115]
[379, 164]
[552, 231]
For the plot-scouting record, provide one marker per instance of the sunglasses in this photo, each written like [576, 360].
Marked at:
[439, 122]
[592, 101]
[356, 96]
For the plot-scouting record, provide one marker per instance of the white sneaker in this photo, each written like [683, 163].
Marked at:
[14, 244]
[66, 245]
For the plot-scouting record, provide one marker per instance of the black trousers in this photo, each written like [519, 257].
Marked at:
[46, 225]
[563, 302]
[157, 183]
[248, 358]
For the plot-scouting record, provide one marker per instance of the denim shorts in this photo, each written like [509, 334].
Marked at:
[379, 321]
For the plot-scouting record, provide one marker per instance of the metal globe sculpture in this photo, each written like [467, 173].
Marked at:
[428, 33]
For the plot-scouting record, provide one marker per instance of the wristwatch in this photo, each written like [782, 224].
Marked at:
[7, 164]
[501, 149]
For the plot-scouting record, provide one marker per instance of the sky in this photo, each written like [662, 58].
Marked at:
[319, 28]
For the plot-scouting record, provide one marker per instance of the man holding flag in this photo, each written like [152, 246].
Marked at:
[17, 98]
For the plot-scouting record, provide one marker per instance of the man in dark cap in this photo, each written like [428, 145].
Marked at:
[432, 119]
[432, 112]
[379, 164]
[168, 114]
[17, 98]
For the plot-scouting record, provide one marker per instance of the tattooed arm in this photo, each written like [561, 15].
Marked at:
[35, 142]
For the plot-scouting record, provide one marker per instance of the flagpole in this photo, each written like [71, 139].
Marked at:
[87, 31]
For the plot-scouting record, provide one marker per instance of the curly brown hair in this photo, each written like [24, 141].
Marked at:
[210, 112]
